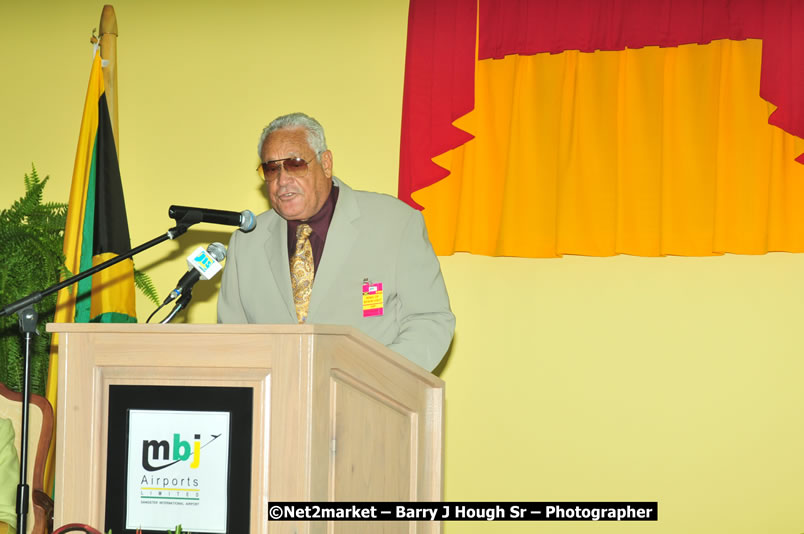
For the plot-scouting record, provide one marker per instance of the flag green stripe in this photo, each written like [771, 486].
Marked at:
[113, 317]
[83, 301]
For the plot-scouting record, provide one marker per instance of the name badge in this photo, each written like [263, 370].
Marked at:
[372, 298]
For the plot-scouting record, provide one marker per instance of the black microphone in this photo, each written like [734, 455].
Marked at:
[203, 264]
[245, 219]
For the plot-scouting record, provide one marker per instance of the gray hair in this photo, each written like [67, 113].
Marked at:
[315, 132]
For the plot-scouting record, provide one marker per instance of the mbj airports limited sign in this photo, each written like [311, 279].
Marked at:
[178, 465]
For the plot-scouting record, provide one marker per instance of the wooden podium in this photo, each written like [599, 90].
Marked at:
[336, 416]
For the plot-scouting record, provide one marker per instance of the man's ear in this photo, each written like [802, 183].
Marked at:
[326, 163]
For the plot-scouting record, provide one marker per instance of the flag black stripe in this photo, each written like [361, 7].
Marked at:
[111, 222]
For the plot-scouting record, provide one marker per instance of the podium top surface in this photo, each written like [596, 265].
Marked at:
[211, 328]
[312, 330]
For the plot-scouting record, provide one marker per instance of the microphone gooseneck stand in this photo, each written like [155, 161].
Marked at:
[182, 303]
[28, 319]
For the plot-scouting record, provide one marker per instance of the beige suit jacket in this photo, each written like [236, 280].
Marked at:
[371, 236]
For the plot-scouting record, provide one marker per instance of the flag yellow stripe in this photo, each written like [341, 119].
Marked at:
[65, 304]
[113, 288]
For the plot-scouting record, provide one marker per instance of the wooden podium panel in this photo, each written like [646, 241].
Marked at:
[336, 415]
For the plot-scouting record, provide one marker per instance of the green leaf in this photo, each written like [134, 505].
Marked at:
[31, 241]
[146, 286]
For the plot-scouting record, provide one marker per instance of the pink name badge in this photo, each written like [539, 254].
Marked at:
[372, 299]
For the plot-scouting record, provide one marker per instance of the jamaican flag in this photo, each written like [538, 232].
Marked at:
[96, 228]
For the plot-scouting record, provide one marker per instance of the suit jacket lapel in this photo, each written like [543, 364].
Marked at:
[341, 237]
[276, 250]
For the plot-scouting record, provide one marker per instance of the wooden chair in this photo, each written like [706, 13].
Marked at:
[77, 527]
[40, 432]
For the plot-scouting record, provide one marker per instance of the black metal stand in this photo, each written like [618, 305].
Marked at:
[36, 296]
[28, 319]
[182, 303]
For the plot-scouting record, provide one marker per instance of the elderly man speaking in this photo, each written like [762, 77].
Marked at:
[323, 251]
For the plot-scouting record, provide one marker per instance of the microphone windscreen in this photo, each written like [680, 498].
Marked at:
[247, 221]
[217, 251]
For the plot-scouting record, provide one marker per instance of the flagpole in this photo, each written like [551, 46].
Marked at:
[108, 48]
[65, 310]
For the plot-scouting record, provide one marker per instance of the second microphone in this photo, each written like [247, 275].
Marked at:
[203, 265]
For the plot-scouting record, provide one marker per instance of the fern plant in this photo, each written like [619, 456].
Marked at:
[144, 284]
[31, 237]
[31, 243]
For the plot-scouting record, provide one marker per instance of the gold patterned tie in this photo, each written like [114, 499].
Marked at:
[302, 271]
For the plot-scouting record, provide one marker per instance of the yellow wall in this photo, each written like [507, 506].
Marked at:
[673, 379]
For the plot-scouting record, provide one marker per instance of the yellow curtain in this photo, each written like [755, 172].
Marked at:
[648, 152]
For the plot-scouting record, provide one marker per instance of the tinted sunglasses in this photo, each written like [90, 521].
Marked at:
[295, 167]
